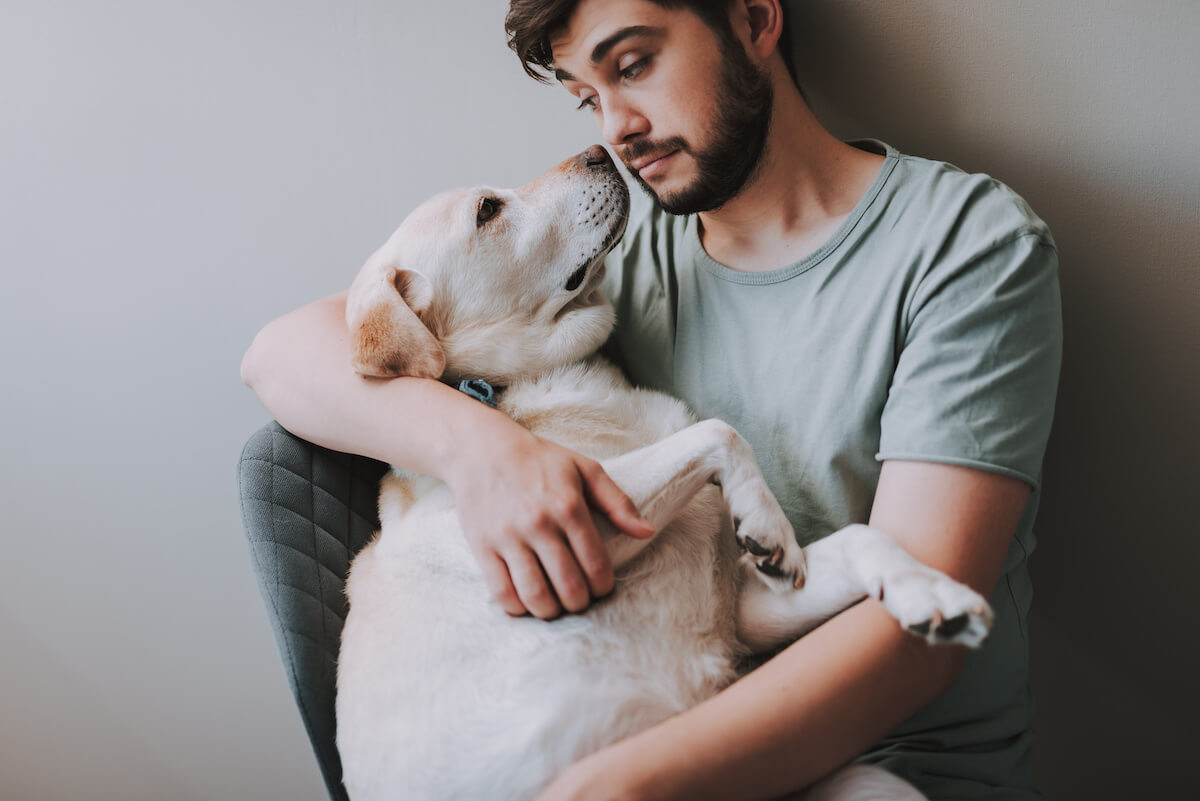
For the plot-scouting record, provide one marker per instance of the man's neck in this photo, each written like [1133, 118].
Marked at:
[807, 186]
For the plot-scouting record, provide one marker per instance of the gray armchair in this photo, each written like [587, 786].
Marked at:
[307, 511]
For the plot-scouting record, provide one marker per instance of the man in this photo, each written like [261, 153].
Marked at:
[883, 330]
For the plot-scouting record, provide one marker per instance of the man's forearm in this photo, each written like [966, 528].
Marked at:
[837, 690]
[300, 368]
[811, 709]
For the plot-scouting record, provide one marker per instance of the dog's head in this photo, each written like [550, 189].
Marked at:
[493, 283]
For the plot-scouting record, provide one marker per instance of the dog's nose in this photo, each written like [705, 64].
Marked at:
[595, 156]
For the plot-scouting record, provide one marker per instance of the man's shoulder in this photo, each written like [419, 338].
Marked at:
[959, 236]
[967, 206]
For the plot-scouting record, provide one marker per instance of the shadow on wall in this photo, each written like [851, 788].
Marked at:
[1033, 97]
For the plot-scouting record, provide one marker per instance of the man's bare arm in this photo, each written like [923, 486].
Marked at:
[300, 368]
[839, 689]
[523, 501]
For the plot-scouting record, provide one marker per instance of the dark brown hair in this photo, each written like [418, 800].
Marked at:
[531, 23]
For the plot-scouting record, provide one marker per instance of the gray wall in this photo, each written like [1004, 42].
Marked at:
[173, 175]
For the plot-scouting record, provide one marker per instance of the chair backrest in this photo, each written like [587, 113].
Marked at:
[307, 511]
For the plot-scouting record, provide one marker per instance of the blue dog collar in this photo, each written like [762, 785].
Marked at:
[478, 389]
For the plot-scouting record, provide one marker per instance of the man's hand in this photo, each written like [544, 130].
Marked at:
[523, 502]
[525, 507]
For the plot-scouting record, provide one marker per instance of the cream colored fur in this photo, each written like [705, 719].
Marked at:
[444, 697]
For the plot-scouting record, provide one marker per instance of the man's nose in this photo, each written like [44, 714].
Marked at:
[622, 123]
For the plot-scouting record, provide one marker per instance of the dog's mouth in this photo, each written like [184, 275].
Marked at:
[587, 278]
[587, 281]
[576, 278]
[615, 232]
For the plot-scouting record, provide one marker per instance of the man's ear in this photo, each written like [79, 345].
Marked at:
[762, 21]
[387, 338]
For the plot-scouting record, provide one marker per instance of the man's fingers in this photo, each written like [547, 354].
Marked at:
[589, 549]
[603, 493]
[560, 566]
[530, 582]
[499, 584]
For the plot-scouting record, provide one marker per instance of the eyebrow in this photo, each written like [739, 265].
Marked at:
[606, 44]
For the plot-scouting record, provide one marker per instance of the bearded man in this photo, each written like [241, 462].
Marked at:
[883, 329]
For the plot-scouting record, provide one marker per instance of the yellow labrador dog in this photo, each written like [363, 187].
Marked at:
[444, 697]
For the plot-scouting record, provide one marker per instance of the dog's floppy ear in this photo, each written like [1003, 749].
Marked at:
[387, 338]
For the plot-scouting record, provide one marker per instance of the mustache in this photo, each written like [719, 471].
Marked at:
[642, 148]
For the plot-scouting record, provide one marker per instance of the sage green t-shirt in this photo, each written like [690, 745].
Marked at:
[927, 328]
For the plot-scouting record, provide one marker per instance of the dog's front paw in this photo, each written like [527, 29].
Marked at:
[770, 548]
[937, 608]
[762, 528]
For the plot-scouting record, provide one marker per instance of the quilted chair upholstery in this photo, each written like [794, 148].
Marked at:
[307, 511]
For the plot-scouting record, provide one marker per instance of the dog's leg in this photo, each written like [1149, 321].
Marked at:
[851, 564]
[662, 479]
[399, 490]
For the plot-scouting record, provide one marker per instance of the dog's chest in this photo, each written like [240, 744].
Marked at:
[591, 408]
[427, 661]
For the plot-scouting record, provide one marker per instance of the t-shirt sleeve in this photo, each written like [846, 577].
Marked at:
[977, 372]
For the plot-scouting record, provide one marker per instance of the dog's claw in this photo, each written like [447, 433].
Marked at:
[921, 628]
[770, 563]
[953, 623]
[751, 545]
[770, 568]
[767, 542]
[952, 627]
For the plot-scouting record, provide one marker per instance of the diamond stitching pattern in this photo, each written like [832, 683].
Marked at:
[307, 510]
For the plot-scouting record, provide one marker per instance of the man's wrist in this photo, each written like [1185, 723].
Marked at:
[470, 439]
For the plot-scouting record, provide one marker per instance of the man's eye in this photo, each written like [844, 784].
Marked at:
[636, 68]
[588, 102]
[488, 208]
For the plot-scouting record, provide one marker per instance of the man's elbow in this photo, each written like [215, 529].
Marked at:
[247, 369]
[259, 357]
[251, 362]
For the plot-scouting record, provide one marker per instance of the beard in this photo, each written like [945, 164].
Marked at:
[739, 136]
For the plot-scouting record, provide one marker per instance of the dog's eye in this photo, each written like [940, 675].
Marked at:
[488, 208]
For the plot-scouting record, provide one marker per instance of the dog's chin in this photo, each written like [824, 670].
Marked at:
[593, 297]
[592, 319]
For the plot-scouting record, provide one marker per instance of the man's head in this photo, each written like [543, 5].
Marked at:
[681, 88]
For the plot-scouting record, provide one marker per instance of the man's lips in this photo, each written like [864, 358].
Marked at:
[651, 165]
